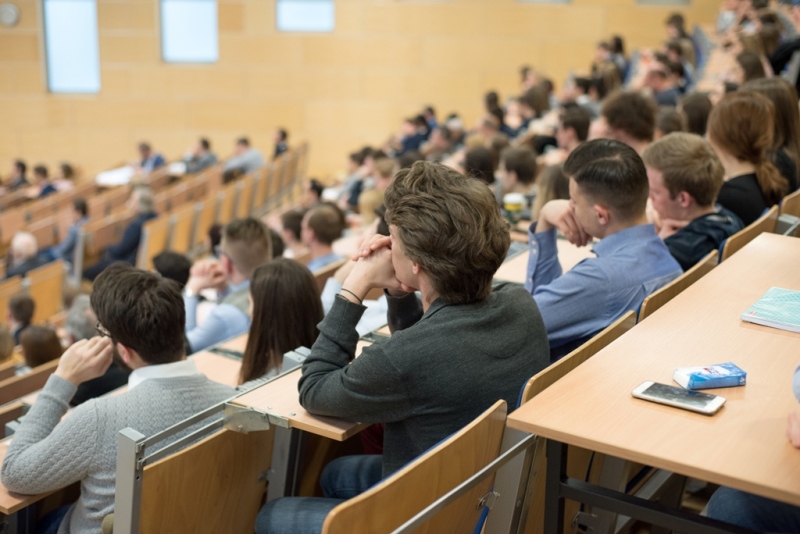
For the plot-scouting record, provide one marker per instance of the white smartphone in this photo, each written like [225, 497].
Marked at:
[694, 401]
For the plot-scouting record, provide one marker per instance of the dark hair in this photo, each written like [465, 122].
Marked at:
[247, 243]
[292, 221]
[80, 205]
[40, 170]
[451, 227]
[173, 266]
[491, 100]
[478, 163]
[584, 84]
[141, 310]
[214, 235]
[205, 144]
[618, 45]
[21, 167]
[669, 120]
[286, 311]
[751, 65]
[278, 245]
[40, 345]
[611, 173]
[677, 21]
[283, 134]
[144, 147]
[67, 172]
[577, 118]
[631, 112]
[317, 187]
[497, 113]
[407, 159]
[327, 221]
[536, 98]
[21, 308]
[521, 161]
[244, 141]
[696, 107]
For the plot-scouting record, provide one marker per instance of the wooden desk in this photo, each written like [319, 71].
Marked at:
[516, 269]
[743, 446]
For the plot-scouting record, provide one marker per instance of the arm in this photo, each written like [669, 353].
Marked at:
[543, 264]
[63, 249]
[129, 242]
[368, 389]
[223, 322]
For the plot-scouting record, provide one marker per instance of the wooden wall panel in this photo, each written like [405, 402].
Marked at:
[385, 60]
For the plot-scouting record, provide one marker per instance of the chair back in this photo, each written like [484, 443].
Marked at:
[790, 205]
[214, 485]
[15, 387]
[155, 240]
[184, 221]
[46, 288]
[663, 295]
[395, 500]
[8, 288]
[322, 275]
[766, 223]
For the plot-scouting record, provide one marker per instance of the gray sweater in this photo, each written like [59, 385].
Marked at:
[47, 453]
[435, 374]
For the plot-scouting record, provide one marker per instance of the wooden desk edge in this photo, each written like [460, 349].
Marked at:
[653, 461]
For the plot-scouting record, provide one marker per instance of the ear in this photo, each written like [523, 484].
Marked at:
[512, 175]
[415, 268]
[129, 356]
[602, 213]
[684, 199]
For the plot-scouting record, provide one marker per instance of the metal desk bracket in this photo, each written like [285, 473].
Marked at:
[245, 420]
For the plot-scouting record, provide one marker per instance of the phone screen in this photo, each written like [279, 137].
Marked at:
[679, 395]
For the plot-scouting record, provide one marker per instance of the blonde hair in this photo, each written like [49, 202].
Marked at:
[368, 202]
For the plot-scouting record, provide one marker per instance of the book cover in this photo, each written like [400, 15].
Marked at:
[778, 308]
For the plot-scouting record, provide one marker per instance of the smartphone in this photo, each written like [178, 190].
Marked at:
[694, 401]
[374, 337]
[230, 353]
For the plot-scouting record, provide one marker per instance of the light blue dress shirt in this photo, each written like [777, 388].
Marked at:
[223, 322]
[323, 261]
[630, 265]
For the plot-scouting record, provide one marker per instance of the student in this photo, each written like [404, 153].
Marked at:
[174, 266]
[244, 160]
[40, 345]
[608, 196]
[18, 180]
[150, 160]
[285, 307]
[630, 118]
[245, 245]
[552, 184]
[142, 316]
[478, 164]
[19, 314]
[6, 344]
[281, 142]
[24, 255]
[291, 230]
[517, 172]
[740, 128]
[200, 158]
[685, 177]
[669, 120]
[66, 249]
[321, 227]
[42, 179]
[141, 200]
[312, 194]
[696, 107]
[81, 324]
[453, 353]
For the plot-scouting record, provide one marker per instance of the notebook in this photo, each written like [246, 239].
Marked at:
[778, 308]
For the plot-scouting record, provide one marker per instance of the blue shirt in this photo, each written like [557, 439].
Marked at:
[323, 261]
[630, 265]
[66, 248]
[224, 322]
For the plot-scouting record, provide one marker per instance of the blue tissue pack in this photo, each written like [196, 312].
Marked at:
[721, 375]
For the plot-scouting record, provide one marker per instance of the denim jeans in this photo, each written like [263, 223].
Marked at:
[341, 479]
[753, 512]
[52, 520]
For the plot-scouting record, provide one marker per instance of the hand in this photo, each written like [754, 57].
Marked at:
[374, 269]
[206, 274]
[559, 214]
[670, 226]
[86, 359]
[793, 428]
[372, 244]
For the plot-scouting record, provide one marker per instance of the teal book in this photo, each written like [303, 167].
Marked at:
[778, 308]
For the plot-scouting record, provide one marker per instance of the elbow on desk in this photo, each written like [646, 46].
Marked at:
[19, 480]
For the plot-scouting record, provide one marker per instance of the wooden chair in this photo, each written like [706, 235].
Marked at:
[206, 218]
[7, 369]
[179, 195]
[215, 485]
[578, 459]
[246, 190]
[791, 204]
[660, 297]
[11, 412]
[322, 275]
[184, 221]
[96, 235]
[227, 203]
[766, 223]
[46, 231]
[262, 190]
[46, 288]
[8, 288]
[16, 387]
[400, 497]
[155, 240]
[11, 222]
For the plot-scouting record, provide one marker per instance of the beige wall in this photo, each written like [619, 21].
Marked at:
[385, 59]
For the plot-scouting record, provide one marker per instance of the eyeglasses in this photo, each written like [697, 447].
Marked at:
[102, 331]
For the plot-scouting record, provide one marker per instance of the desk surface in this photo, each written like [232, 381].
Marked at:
[744, 445]
[516, 269]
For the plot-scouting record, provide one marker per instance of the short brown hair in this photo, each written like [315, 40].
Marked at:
[696, 107]
[576, 118]
[451, 227]
[247, 242]
[610, 172]
[141, 310]
[688, 163]
[631, 112]
[385, 167]
[40, 345]
[327, 222]
[669, 120]
[521, 161]
[21, 308]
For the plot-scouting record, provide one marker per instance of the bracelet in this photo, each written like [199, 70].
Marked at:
[360, 301]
